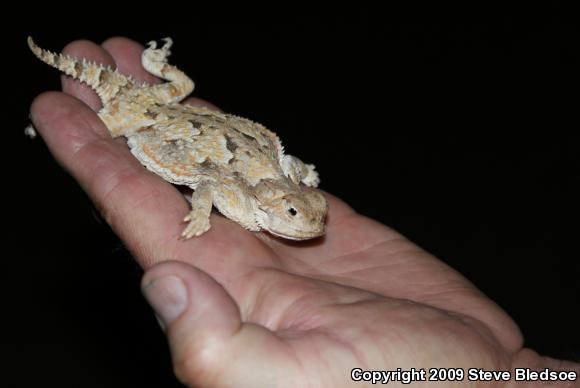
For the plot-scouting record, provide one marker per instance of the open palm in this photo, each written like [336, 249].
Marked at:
[268, 311]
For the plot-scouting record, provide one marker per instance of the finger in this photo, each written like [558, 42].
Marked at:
[127, 55]
[91, 52]
[206, 335]
[202, 103]
[143, 209]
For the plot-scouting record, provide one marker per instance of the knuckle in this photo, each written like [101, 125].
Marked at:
[199, 363]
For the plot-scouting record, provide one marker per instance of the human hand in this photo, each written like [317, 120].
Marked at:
[255, 310]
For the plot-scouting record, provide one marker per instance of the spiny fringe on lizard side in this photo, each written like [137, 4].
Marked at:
[103, 80]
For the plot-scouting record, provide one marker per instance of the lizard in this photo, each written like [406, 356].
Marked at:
[231, 163]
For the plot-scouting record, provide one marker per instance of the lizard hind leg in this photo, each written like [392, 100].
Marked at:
[154, 60]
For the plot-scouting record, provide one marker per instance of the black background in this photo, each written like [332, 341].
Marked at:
[462, 136]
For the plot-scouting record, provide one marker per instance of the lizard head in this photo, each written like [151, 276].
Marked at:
[289, 210]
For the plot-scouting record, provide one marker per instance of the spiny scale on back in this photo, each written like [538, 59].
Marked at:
[232, 163]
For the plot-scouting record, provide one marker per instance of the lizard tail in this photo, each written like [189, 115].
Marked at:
[103, 80]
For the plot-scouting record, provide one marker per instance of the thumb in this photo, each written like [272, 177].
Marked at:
[210, 346]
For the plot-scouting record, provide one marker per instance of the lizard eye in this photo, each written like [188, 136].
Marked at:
[292, 211]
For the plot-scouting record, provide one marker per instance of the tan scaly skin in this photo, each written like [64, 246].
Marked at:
[262, 312]
[234, 164]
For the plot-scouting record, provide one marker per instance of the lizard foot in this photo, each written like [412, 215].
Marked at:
[153, 54]
[198, 225]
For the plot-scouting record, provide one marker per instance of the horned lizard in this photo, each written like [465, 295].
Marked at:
[232, 163]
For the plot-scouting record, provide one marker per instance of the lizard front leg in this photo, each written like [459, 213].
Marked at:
[198, 217]
[154, 60]
[299, 172]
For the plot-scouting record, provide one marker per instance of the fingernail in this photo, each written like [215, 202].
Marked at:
[168, 297]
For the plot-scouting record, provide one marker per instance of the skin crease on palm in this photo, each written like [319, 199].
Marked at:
[269, 312]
